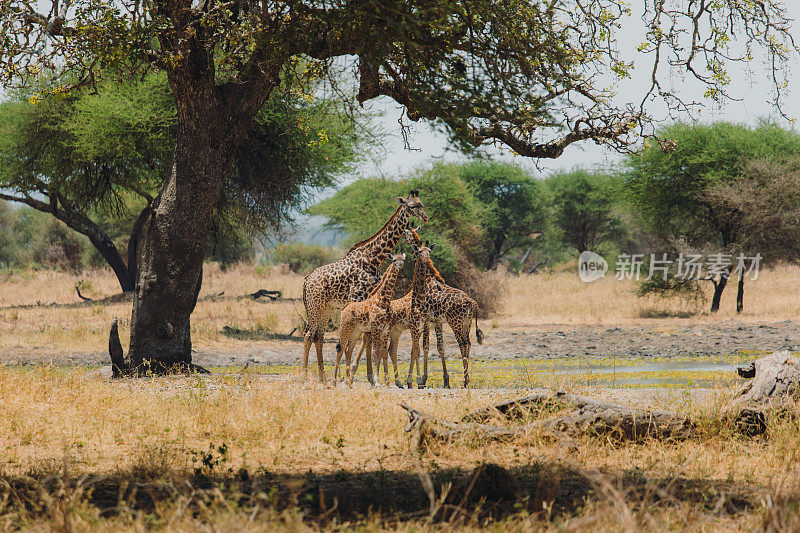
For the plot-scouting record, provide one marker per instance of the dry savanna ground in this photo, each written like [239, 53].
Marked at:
[238, 450]
[560, 298]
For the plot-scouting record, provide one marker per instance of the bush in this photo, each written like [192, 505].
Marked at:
[483, 287]
[302, 258]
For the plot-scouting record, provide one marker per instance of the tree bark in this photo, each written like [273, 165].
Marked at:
[719, 286]
[776, 382]
[740, 292]
[172, 257]
[584, 415]
[213, 120]
[133, 243]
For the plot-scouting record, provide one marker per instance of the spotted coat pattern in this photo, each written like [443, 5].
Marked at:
[352, 278]
[366, 316]
[443, 303]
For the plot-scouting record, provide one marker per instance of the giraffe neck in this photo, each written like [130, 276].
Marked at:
[386, 287]
[420, 282]
[382, 243]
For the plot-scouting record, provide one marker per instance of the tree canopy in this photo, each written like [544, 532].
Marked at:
[669, 189]
[514, 202]
[692, 196]
[582, 207]
[455, 215]
[533, 75]
[96, 160]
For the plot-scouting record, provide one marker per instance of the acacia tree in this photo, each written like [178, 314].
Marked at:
[90, 159]
[527, 74]
[686, 196]
[514, 203]
[583, 209]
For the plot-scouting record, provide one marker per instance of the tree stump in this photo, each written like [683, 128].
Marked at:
[776, 379]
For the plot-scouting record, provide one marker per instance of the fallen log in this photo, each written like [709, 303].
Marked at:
[776, 381]
[265, 293]
[583, 415]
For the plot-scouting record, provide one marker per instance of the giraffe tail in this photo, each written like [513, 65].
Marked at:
[478, 332]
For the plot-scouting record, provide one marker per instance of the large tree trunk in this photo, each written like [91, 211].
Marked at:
[719, 286]
[172, 257]
[133, 243]
[213, 120]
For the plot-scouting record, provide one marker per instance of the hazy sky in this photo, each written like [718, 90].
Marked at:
[750, 84]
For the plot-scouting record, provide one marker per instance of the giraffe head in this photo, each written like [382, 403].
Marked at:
[412, 236]
[423, 251]
[413, 205]
[398, 260]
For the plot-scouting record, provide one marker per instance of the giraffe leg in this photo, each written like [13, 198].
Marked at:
[347, 357]
[345, 339]
[415, 334]
[377, 341]
[410, 365]
[318, 339]
[385, 356]
[358, 356]
[338, 358]
[394, 336]
[308, 338]
[464, 344]
[425, 349]
[440, 346]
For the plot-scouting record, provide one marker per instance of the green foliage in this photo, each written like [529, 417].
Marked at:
[530, 74]
[302, 258]
[583, 209]
[514, 202]
[29, 238]
[688, 291]
[668, 189]
[455, 215]
[107, 154]
[88, 149]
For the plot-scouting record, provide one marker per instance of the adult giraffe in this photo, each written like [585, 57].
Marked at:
[352, 278]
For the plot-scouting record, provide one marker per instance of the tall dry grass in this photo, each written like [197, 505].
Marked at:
[562, 298]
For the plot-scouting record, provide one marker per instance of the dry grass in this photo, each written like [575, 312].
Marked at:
[562, 298]
[74, 446]
[245, 452]
[557, 298]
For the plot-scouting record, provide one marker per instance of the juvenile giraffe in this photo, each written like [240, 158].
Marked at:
[366, 316]
[352, 278]
[445, 303]
[404, 313]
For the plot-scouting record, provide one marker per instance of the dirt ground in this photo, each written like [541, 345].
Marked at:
[548, 341]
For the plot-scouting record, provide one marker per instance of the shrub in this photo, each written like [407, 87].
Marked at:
[302, 258]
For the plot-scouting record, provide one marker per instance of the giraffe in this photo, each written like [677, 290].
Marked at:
[404, 313]
[443, 303]
[362, 317]
[352, 278]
